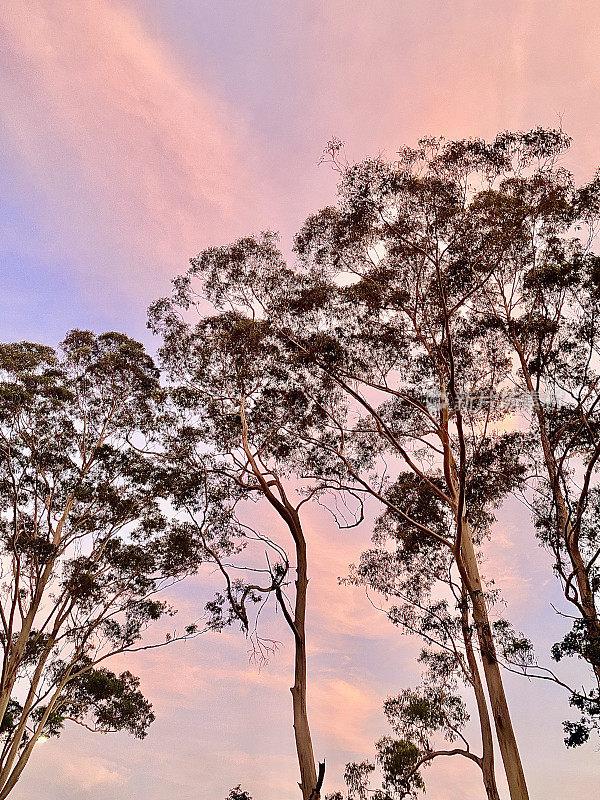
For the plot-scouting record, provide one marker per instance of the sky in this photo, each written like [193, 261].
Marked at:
[134, 133]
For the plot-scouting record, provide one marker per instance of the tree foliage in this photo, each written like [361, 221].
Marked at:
[87, 545]
[385, 309]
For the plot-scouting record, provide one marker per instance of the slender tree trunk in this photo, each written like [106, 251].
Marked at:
[487, 741]
[310, 783]
[469, 569]
[304, 748]
[491, 669]
[14, 652]
[489, 778]
[10, 779]
[569, 538]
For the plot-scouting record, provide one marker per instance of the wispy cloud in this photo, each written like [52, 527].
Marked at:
[341, 713]
[87, 773]
[128, 151]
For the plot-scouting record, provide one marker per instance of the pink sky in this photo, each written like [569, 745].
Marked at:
[135, 133]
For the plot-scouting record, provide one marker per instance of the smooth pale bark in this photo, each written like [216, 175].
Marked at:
[310, 782]
[10, 779]
[304, 748]
[15, 759]
[14, 651]
[466, 561]
[486, 762]
[507, 742]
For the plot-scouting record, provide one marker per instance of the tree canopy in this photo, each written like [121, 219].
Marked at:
[377, 367]
[430, 350]
[87, 545]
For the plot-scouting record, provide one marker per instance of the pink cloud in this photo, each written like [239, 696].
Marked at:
[341, 713]
[80, 773]
[127, 150]
[88, 772]
[398, 71]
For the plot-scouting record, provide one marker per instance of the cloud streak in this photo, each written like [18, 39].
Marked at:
[130, 154]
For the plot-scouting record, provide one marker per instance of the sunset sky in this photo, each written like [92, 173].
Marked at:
[135, 133]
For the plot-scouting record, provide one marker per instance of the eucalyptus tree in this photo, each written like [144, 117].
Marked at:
[543, 300]
[86, 543]
[460, 269]
[235, 400]
[370, 325]
[420, 592]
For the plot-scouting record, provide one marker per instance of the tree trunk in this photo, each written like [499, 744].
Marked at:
[487, 742]
[489, 779]
[587, 603]
[310, 784]
[304, 748]
[10, 778]
[493, 677]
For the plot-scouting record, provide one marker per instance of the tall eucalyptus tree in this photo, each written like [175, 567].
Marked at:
[543, 300]
[439, 280]
[235, 400]
[86, 548]
[371, 329]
